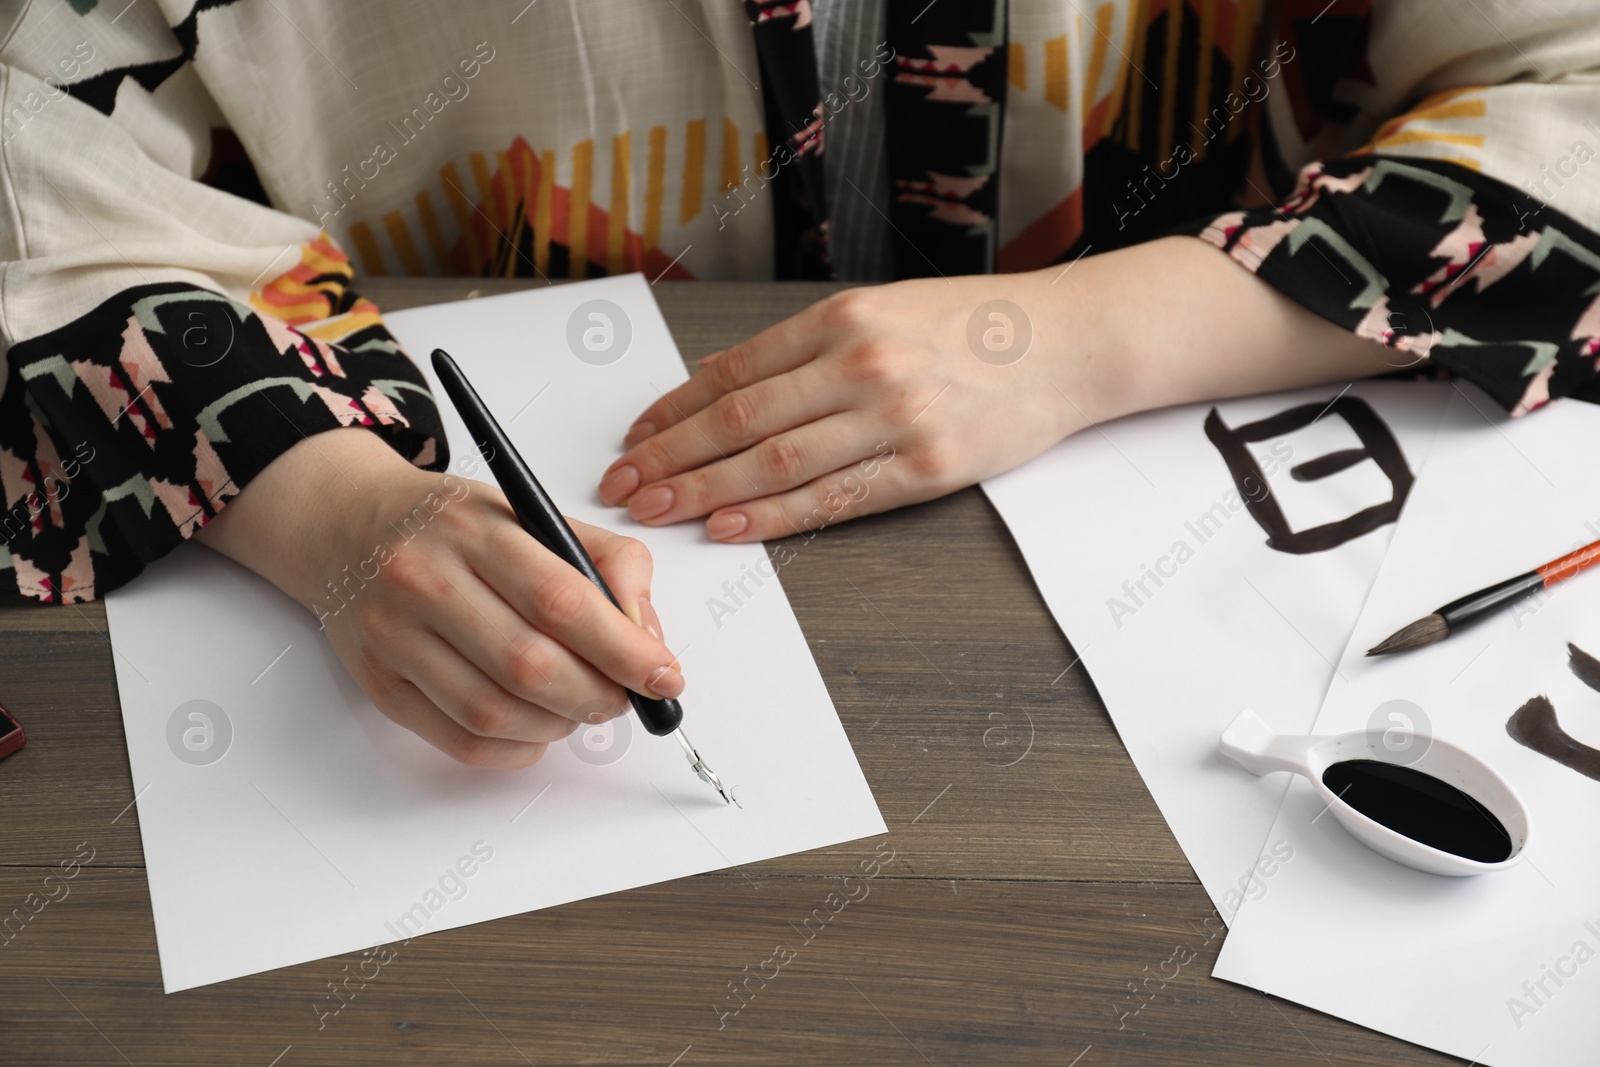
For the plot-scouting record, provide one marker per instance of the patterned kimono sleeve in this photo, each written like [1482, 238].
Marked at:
[129, 428]
[162, 342]
[1452, 268]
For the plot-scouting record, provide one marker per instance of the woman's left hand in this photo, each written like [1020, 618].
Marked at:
[884, 396]
[868, 400]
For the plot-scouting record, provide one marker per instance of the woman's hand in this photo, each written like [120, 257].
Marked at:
[455, 622]
[868, 400]
[884, 396]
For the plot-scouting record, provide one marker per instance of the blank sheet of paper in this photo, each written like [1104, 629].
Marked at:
[1142, 539]
[323, 828]
[1502, 969]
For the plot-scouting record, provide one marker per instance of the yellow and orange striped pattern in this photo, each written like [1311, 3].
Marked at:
[1117, 70]
[505, 214]
[313, 291]
[1444, 119]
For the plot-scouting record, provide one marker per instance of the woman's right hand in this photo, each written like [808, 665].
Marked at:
[454, 621]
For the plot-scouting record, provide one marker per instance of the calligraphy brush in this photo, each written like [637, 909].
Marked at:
[1456, 614]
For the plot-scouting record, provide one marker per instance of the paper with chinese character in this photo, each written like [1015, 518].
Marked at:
[1502, 969]
[1212, 557]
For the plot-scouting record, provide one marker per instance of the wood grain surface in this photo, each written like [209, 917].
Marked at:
[1034, 885]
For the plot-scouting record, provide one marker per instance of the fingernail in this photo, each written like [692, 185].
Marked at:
[706, 361]
[652, 621]
[726, 524]
[666, 681]
[619, 484]
[651, 502]
[638, 432]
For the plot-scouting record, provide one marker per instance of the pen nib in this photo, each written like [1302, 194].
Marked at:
[707, 775]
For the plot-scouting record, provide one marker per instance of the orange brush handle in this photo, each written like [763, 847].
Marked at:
[1573, 562]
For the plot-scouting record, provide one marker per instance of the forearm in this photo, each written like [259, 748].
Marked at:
[1173, 321]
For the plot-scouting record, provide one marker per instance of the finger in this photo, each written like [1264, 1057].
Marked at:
[864, 488]
[626, 565]
[561, 603]
[774, 351]
[775, 465]
[533, 667]
[729, 425]
[407, 706]
[471, 698]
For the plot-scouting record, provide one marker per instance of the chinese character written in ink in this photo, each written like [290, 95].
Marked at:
[1377, 444]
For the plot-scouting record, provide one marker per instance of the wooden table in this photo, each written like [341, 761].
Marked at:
[1030, 915]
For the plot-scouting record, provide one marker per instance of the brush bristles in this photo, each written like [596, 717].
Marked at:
[1425, 631]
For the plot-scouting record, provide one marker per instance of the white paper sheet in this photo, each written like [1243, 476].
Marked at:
[1226, 621]
[1443, 961]
[324, 825]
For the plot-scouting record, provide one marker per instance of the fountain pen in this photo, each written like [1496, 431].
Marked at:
[543, 521]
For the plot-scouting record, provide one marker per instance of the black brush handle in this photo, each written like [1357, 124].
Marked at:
[537, 512]
[1475, 606]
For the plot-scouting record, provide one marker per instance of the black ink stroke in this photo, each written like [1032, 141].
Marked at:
[1585, 666]
[1534, 726]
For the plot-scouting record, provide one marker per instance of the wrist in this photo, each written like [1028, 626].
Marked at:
[308, 512]
[1092, 372]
